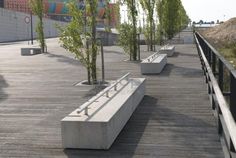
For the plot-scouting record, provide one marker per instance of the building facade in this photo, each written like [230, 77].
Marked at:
[56, 9]
[1, 3]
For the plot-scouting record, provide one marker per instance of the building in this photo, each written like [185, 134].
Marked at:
[56, 9]
[17, 5]
[1, 3]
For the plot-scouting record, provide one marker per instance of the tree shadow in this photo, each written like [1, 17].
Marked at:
[189, 55]
[127, 141]
[193, 132]
[183, 71]
[175, 55]
[114, 52]
[94, 90]
[3, 84]
[63, 59]
[153, 127]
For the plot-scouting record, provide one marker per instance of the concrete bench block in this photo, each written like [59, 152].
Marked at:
[168, 49]
[106, 118]
[30, 51]
[155, 65]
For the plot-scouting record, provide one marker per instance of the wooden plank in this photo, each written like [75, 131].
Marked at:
[174, 120]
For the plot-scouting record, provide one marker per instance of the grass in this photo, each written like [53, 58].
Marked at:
[229, 53]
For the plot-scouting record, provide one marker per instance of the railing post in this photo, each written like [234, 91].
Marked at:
[219, 125]
[221, 75]
[232, 148]
[210, 56]
[205, 49]
[213, 66]
[233, 94]
[86, 111]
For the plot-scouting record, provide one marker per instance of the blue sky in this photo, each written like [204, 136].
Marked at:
[210, 10]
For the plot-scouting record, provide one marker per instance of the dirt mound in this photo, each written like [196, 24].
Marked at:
[222, 34]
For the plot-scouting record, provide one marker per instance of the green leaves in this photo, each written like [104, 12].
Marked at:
[79, 36]
[131, 5]
[125, 38]
[149, 7]
[172, 16]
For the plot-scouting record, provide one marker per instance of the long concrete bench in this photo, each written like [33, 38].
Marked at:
[97, 123]
[30, 51]
[154, 64]
[167, 49]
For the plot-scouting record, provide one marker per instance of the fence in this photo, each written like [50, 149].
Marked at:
[221, 79]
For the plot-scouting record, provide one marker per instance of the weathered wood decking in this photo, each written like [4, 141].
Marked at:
[174, 120]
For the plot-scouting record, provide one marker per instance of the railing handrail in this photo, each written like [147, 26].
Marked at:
[227, 115]
[226, 63]
[85, 106]
[152, 57]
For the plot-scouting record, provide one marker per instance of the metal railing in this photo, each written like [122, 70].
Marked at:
[106, 91]
[152, 57]
[219, 74]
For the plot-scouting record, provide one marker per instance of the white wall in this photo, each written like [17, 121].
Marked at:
[14, 28]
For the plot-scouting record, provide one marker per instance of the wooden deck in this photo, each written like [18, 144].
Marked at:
[174, 120]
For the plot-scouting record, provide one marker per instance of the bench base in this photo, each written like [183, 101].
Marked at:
[30, 51]
[169, 50]
[99, 130]
[153, 68]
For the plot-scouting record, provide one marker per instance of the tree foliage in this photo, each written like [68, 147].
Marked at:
[38, 9]
[172, 17]
[125, 38]
[149, 7]
[79, 36]
[131, 6]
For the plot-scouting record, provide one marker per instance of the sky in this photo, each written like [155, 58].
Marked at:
[210, 10]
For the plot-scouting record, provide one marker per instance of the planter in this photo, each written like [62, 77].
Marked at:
[30, 51]
[167, 49]
[98, 126]
[154, 64]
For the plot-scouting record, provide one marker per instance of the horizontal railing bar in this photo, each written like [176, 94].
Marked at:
[226, 93]
[89, 102]
[152, 57]
[228, 118]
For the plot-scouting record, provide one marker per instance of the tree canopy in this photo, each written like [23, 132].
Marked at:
[172, 16]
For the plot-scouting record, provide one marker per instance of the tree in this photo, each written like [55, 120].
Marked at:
[160, 27]
[37, 8]
[92, 9]
[79, 36]
[172, 16]
[125, 39]
[149, 7]
[131, 5]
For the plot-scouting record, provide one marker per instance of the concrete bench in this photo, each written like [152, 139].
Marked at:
[97, 123]
[154, 64]
[167, 49]
[30, 51]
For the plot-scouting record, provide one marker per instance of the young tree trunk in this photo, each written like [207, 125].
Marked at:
[151, 33]
[134, 53]
[93, 5]
[88, 63]
[42, 41]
